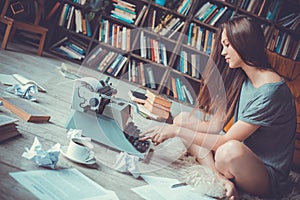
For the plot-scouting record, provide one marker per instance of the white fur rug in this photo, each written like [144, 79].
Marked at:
[205, 182]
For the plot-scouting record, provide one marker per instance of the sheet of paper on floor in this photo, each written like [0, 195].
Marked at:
[62, 184]
[160, 188]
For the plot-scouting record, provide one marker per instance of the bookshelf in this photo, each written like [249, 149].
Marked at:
[152, 45]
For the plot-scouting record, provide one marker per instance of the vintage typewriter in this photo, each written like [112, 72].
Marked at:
[104, 118]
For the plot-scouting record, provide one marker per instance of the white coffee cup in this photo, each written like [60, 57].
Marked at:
[77, 150]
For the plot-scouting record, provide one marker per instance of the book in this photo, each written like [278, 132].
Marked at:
[155, 98]
[174, 89]
[63, 15]
[24, 109]
[155, 109]
[142, 76]
[145, 112]
[70, 19]
[179, 89]
[203, 9]
[176, 29]
[114, 64]
[150, 74]
[13, 79]
[7, 127]
[88, 26]
[140, 15]
[119, 67]
[69, 52]
[188, 94]
[218, 16]
[137, 97]
[107, 61]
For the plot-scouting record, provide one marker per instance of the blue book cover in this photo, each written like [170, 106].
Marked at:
[124, 9]
[65, 14]
[184, 7]
[190, 33]
[214, 19]
[181, 64]
[114, 64]
[88, 26]
[180, 90]
[273, 11]
[209, 42]
[208, 13]
[121, 18]
[75, 47]
[119, 66]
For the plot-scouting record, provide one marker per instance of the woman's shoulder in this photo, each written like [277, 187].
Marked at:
[277, 93]
[269, 90]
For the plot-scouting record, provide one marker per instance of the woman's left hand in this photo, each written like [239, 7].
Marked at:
[159, 134]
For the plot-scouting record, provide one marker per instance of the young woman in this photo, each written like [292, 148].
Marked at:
[256, 152]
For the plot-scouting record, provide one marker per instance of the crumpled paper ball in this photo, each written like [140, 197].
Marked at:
[27, 91]
[41, 157]
[127, 163]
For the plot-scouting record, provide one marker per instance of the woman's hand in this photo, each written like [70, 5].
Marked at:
[159, 134]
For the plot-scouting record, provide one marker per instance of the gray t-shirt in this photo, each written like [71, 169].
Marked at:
[272, 107]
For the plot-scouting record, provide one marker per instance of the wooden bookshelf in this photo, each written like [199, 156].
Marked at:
[173, 40]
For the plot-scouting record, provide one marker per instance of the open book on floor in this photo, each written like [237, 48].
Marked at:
[12, 79]
[8, 127]
[25, 109]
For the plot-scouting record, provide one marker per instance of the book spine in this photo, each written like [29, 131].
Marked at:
[114, 64]
[174, 88]
[178, 89]
[188, 94]
[88, 26]
[119, 67]
[141, 14]
[151, 77]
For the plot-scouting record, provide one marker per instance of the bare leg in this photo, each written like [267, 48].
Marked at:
[236, 161]
[205, 157]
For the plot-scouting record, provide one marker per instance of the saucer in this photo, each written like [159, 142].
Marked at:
[63, 150]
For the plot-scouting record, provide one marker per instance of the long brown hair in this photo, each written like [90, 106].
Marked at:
[222, 85]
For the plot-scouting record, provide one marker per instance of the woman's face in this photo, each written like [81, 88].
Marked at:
[231, 56]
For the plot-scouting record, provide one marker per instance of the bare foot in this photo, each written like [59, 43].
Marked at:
[231, 192]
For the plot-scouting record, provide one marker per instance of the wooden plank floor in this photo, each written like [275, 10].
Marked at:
[57, 103]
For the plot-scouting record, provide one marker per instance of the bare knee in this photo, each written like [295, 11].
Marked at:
[225, 156]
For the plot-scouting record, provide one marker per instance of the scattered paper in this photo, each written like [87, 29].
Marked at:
[62, 185]
[63, 69]
[161, 188]
[24, 81]
[8, 79]
[127, 163]
[41, 157]
[25, 91]
[147, 192]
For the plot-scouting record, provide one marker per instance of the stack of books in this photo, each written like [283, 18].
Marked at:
[123, 11]
[157, 105]
[8, 127]
[70, 48]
